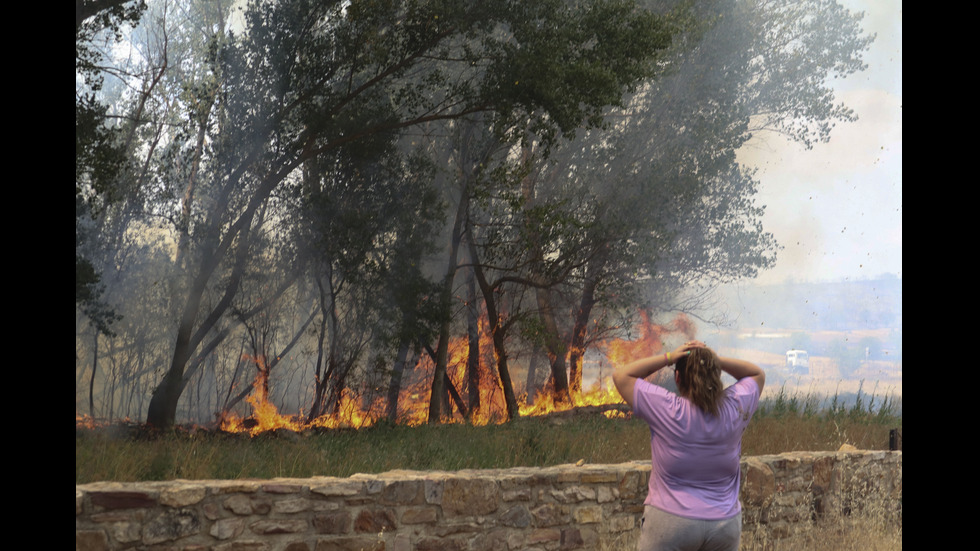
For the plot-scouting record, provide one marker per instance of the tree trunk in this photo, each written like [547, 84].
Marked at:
[445, 298]
[453, 394]
[497, 332]
[91, 381]
[579, 330]
[395, 387]
[162, 410]
[473, 353]
[554, 345]
[445, 303]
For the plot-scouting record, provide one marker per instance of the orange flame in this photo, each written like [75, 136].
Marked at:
[414, 395]
[265, 415]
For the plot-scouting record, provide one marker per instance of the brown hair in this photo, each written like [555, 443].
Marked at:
[699, 379]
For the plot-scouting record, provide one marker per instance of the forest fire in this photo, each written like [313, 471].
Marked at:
[353, 412]
[354, 409]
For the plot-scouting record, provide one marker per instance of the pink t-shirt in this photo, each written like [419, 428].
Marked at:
[695, 456]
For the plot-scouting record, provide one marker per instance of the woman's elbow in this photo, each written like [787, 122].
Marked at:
[624, 385]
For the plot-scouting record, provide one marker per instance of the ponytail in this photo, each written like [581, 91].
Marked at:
[699, 379]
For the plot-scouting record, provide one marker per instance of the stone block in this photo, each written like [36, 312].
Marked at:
[374, 521]
[171, 524]
[239, 504]
[571, 538]
[587, 514]
[543, 535]
[549, 514]
[574, 494]
[227, 528]
[183, 495]
[279, 526]
[336, 522]
[420, 515]
[441, 544]
[758, 483]
[123, 500]
[290, 506]
[283, 488]
[350, 544]
[338, 488]
[402, 492]
[515, 517]
[470, 496]
[490, 540]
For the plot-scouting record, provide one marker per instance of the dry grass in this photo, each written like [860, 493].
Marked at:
[863, 532]
[870, 522]
[848, 534]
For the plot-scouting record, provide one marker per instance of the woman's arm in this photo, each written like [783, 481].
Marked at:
[625, 377]
[741, 369]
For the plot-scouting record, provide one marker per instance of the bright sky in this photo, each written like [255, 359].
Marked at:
[837, 208]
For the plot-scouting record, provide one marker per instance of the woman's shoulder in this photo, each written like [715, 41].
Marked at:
[745, 384]
[744, 394]
[653, 388]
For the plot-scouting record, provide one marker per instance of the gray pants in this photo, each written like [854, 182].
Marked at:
[662, 531]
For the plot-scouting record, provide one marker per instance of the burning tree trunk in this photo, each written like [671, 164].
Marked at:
[475, 148]
[445, 302]
[497, 331]
[395, 387]
[473, 353]
[264, 360]
[580, 325]
[319, 375]
[554, 345]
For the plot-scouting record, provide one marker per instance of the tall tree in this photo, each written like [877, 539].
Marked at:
[305, 79]
[670, 211]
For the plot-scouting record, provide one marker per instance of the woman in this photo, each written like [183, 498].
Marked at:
[695, 443]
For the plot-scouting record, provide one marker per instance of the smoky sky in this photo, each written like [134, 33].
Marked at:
[837, 209]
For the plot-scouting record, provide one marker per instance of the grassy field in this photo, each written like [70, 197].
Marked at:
[101, 455]
[783, 423]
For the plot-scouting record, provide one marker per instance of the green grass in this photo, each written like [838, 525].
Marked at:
[526, 442]
[782, 424]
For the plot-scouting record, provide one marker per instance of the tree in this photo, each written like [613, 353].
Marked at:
[656, 209]
[312, 144]
[306, 79]
[99, 154]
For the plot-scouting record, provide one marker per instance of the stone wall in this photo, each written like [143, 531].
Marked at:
[587, 507]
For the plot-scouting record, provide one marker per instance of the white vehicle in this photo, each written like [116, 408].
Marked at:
[798, 361]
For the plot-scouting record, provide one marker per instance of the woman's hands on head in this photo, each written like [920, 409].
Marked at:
[625, 377]
[685, 349]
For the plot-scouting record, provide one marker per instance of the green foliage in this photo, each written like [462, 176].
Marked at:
[326, 90]
[551, 54]
[302, 163]
[100, 157]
